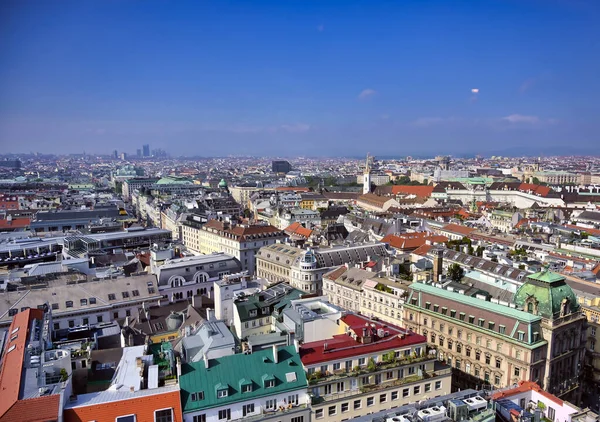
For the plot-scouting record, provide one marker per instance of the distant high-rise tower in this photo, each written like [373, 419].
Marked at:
[146, 150]
[281, 166]
[367, 177]
[115, 154]
[139, 153]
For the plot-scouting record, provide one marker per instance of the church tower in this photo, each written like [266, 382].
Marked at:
[367, 177]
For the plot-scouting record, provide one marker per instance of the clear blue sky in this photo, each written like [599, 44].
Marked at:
[302, 77]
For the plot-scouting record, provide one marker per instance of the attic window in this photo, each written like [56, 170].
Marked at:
[270, 383]
[253, 313]
[69, 303]
[111, 296]
[83, 302]
[55, 306]
[15, 330]
[11, 348]
[135, 293]
[92, 300]
[247, 387]
[221, 393]
[125, 295]
[198, 396]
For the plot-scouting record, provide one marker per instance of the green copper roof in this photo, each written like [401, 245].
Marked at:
[475, 303]
[222, 183]
[174, 180]
[230, 373]
[546, 293]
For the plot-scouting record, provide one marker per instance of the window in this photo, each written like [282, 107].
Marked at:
[462, 316]
[99, 318]
[521, 335]
[357, 404]
[224, 415]
[502, 329]
[332, 410]
[406, 392]
[517, 372]
[248, 409]
[69, 303]
[83, 302]
[362, 361]
[54, 306]
[198, 396]
[370, 401]
[199, 418]
[164, 415]
[438, 385]
[491, 325]
[497, 379]
[481, 322]
[336, 366]
[71, 323]
[116, 315]
[56, 326]
[222, 393]
[125, 295]
[135, 293]
[86, 321]
[298, 419]
[452, 313]
[319, 414]
[128, 418]
[270, 404]
[382, 398]
[471, 319]
[111, 296]
[416, 390]
[487, 359]
[345, 407]
[293, 399]
[498, 362]
[246, 388]
[436, 308]
[428, 387]
[394, 395]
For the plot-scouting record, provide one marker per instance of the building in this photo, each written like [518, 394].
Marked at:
[182, 278]
[281, 166]
[131, 185]
[238, 240]
[528, 401]
[34, 378]
[227, 289]
[213, 340]
[313, 318]
[366, 177]
[253, 314]
[538, 338]
[269, 385]
[304, 268]
[376, 203]
[308, 218]
[369, 368]
[11, 164]
[65, 220]
[135, 393]
[146, 150]
[77, 302]
[591, 377]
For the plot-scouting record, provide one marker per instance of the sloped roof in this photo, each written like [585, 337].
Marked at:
[420, 191]
[231, 372]
[457, 228]
[299, 230]
[412, 240]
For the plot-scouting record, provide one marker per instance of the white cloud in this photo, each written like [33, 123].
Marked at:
[520, 118]
[366, 94]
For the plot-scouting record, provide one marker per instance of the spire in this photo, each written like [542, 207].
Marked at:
[367, 165]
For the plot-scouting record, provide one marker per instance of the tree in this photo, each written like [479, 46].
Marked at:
[455, 272]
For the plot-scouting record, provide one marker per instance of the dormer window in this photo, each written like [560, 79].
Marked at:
[222, 393]
[246, 386]
[253, 313]
[269, 383]
[69, 303]
[197, 396]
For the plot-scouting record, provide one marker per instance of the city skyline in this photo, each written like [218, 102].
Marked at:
[301, 78]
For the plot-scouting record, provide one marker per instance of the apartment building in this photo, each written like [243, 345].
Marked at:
[130, 185]
[370, 368]
[540, 337]
[304, 268]
[241, 241]
[269, 385]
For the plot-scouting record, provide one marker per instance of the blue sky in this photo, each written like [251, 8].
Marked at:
[332, 78]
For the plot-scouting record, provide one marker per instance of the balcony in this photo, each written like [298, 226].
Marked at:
[320, 378]
[384, 385]
[261, 415]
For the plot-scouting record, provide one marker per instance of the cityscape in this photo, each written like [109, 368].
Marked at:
[286, 212]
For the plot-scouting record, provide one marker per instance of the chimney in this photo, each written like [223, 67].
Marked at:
[275, 353]
[210, 314]
[178, 364]
[205, 359]
[297, 345]
[438, 260]
[127, 321]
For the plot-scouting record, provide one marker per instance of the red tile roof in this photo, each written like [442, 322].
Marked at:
[420, 191]
[410, 241]
[292, 188]
[11, 408]
[422, 250]
[593, 232]
[523, 387]
[142, 407]
[9, 205]
[535, 189]
[240, 233]
[16, 223]
[343, 346]
[457, 228]
[298, 230]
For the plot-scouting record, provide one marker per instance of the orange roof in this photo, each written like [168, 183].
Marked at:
[410, 241]
[423, 250]
[593, 232]
[16, 223]
[421, 191]
[523, 387]
[596, 270]
[292, 188]
[299, 230]
[142, 407]
[11, 408]
[457, 228]
[9, 205]
[241, 232]
[536, 189]
[372, 199]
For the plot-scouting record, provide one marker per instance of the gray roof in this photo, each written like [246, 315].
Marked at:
[189, 267]
[341, 255]
[213, 336]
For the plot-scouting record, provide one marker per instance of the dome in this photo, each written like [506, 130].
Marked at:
[174, 321]
[222, 183]
[546, 294]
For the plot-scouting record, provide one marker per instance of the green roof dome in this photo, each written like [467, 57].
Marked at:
[222, 183]
[546, 294]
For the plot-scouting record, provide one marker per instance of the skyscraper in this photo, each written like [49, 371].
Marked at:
[146, 150]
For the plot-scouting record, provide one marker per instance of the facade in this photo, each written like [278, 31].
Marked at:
[304, 269]
[269, 385]
[370, 368]
[194, 275]
[240, 241]
[308, 218]
[312, 319]
[131, 185]
[76, 302]
[591, 374]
